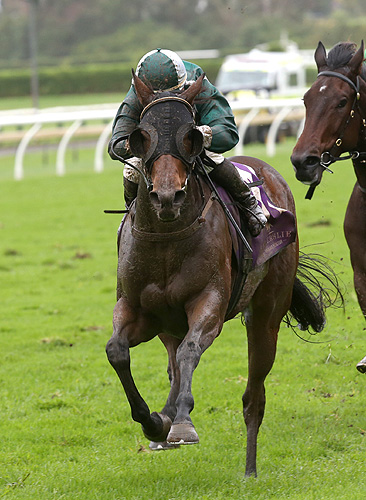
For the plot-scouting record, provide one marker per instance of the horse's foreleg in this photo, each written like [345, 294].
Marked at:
[171, 344]
[205, 325]
[182, 430]
[126, 332]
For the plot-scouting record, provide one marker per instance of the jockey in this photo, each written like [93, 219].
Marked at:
[164, 70]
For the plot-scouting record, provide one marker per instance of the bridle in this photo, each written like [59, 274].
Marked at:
[167, 99]
[188, 159]
[327, 158]
[166, 128]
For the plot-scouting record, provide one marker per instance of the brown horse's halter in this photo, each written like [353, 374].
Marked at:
[326, 157]
[353, 154]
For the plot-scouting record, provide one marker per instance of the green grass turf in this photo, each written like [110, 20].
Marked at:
[65, 425]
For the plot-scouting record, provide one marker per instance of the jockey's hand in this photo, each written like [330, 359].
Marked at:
[206, 131]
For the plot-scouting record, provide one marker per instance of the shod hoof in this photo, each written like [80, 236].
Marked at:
[183, 434]
[161, 436]
[154, 446]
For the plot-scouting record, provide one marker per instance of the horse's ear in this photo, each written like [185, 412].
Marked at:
[144, 93]
[193, 90]
[356, 62]
[320, 56]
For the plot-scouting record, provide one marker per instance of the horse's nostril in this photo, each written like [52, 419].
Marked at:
[312, 161]
[304, 162]
[154, 198]
[179, 197]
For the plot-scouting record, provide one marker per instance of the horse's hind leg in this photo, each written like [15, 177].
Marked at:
[262, 319]
[359, 278]
[127, 332]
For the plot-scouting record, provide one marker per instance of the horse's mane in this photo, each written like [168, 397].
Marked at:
[340, 55]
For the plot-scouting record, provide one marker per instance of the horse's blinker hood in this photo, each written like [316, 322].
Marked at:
[167, 123]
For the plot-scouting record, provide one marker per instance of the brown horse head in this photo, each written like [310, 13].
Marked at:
[333, 111]
[168, 152]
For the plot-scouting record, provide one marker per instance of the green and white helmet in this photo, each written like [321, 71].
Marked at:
[163, 69]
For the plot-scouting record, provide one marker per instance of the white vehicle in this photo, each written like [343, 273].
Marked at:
[262, 74]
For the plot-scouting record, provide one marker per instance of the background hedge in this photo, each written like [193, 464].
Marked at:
[80, 79]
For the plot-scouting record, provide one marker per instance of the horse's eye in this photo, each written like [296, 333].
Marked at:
[342, 103]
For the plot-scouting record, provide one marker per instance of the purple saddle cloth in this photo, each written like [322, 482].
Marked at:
[279, 232]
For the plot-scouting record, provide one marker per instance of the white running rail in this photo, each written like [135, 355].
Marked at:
[275, 111]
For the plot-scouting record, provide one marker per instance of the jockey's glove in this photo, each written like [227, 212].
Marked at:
[206, 131]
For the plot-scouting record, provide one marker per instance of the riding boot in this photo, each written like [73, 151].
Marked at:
[227, 176]
[129, 191]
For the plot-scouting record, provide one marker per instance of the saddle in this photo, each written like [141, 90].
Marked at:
[279, 232]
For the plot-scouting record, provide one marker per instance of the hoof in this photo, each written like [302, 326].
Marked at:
[161, 437]
[361, 366]
[183, 434]
[154, 446]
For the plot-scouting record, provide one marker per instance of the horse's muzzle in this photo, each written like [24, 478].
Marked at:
[307, 168]
[167, 205]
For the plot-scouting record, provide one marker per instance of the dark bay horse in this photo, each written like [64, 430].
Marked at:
[175, 274]
[336, 123]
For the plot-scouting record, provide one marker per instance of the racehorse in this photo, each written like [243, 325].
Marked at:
[335, 123]
[176, 272]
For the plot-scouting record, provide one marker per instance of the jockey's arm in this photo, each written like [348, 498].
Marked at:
[214, 111]
[126, 120]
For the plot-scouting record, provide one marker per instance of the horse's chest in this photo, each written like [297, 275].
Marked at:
[157, 282]
[165, 281]
[164, 298]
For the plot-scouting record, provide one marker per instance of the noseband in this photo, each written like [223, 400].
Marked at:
[326, 157]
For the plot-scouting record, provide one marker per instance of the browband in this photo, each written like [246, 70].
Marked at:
[164, 99]
[356, 88]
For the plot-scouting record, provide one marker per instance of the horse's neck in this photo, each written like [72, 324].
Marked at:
[359, 166]
[362, 110]
[146, 219]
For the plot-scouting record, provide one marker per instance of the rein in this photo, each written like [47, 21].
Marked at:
[126, 162]
[339, 141]
[327, 158]
[224, 207]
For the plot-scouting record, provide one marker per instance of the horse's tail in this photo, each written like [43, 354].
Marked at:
[315, 289]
